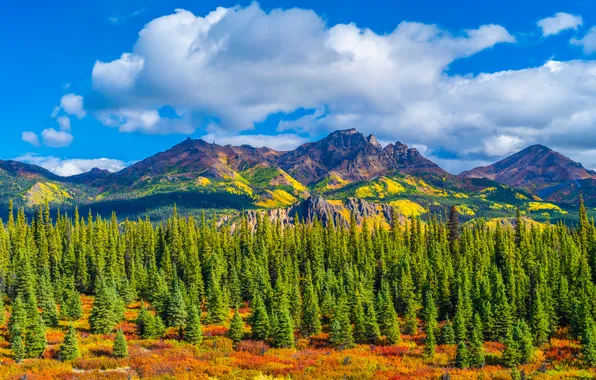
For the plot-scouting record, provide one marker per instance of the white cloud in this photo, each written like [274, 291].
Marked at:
[72, 104]
[588, 42]
[64, 123]
[238, 66]
[68, 167]
[559, 22]
[56, 139]
[30, 137]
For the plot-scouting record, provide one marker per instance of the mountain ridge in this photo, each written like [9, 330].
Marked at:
[344, 165]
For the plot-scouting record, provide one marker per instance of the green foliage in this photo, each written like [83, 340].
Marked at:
[69, 350]
[193, 332]
[448, 334]
[476, 348]
[462, 358]
[120, 349]
[523, 336]
[341, 335]
[511, 355]
[259, 320]
[236, 331]
[17, 347]
[103, 315]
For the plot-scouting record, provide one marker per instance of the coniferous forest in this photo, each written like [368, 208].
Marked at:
[88, 297]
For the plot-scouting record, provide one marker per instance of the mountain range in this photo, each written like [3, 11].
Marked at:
[346, 172]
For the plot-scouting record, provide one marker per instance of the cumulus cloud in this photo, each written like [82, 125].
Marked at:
[71, 104]
[588, 42]
[68, 167]
[559, 22]
[56, 138]
[235, 67]
[64, 123]
[30, 137]
[239, 65]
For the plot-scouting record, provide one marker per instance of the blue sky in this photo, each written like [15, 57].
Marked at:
[466, 82]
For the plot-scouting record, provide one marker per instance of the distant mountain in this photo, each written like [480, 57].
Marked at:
[534, 168]
[342, 174]
[353, 157]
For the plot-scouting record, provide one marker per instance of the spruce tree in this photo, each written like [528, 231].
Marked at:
[341, 335]
[448, 335]
[18, 317]
[462, 357]
[193, 332]
[388, 322]
[17, 347]
[284, 333]
[102, 318]
[540, 321]
[46, 302]
[588, 348]
[176, 314]
[476, 347]
[523, 336]
[310, 321]
[236, 332]
[72, 307]
[120, 348]
[511, 353]
[371, 327]
[69, 350]
[2, 315]
[35, 338]
[430, 343]
[259, 320]
[411, 325]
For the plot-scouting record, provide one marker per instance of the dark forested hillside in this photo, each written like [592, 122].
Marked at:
[442, 297]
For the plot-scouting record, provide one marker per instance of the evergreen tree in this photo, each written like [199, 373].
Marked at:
[523, 336]
[341, 335]
[102, 318]
[17, 347]
[2, 316]
[310, 322]
[259, 320]
[430, 343]
[540, 321]
[588, 347]
[476, 347]
[120, 348]
[72, 306]
[176, 314]
[35, 337]
[462, 357]
[284, 332]
[18, 317]
[193, 332]
[411, 325]
[236, 332]
[448, 335]
[511, 354]
[388, 322]
[69, 350]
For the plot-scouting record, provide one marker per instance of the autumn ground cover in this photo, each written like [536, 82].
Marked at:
[217, 357]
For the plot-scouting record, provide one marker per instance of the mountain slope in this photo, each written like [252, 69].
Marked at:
[353, 157]
[352, 172]
[534, 168]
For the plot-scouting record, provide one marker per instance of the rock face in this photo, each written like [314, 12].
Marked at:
[322, 210]
[534, 168]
